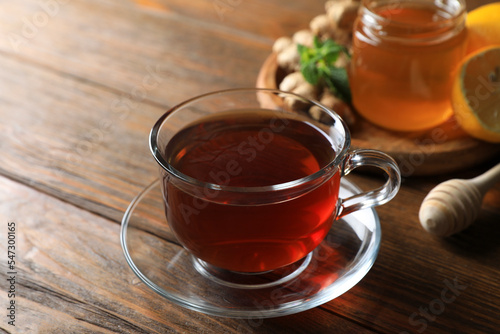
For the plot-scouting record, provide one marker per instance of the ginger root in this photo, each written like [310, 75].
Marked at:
[335, 104]
[304, 37]
[321, 25]
[305, 90]
[342, 13]
[337, 24]
[281, 44]
[292, 81]
[289, 58]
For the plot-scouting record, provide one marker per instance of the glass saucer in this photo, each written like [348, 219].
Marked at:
[343, 258]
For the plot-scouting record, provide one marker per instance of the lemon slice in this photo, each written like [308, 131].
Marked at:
[483, 27]
[476, 94]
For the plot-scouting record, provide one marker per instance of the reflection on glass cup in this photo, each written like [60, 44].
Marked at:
[251, 185]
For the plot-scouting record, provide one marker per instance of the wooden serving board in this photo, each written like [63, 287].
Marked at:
[443, 149]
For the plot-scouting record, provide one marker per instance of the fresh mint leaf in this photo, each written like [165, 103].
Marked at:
[317, 42]
[317, 64]
[310, 72]
[338, 80]
[303, 52]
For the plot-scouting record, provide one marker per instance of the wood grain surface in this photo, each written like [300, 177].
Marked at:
[82, 83]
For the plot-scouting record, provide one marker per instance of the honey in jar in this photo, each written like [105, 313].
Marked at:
[404, 55]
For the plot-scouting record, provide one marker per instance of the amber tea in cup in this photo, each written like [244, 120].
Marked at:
[251, 186]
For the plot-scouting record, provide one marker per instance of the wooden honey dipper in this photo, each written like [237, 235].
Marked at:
[453, 205]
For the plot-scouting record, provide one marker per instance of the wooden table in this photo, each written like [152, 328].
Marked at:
[81, 84]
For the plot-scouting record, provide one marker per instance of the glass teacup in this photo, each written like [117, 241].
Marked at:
[250, 179]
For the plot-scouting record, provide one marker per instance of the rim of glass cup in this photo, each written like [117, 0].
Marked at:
[157, 154]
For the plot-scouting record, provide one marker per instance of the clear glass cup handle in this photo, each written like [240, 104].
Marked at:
[375, 197]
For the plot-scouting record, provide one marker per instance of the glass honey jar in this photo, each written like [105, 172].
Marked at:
[405, 53]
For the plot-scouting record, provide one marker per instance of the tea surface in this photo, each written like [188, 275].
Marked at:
[250, 149]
